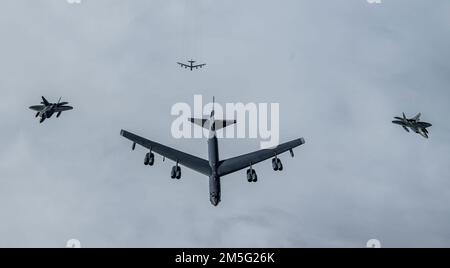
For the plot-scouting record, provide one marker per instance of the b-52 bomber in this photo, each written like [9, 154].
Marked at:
[414, 124]
[47, 109]
[191, 65]
[214, 167]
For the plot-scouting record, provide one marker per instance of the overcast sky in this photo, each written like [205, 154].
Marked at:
[339, 69]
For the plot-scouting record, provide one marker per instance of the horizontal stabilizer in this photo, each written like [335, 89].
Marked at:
[218, 124]
[223, 123]
[200, 122]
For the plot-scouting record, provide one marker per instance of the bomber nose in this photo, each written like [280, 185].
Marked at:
[214, 200]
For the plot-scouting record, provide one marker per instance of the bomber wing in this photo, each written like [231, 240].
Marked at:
[195, 163]
[239, 162]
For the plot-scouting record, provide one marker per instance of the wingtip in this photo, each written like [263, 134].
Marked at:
[302, 140]
[122, 132]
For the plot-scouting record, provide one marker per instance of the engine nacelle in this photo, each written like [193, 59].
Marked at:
[149, 159]
[175, 173]
[251, 175]
[276, 164]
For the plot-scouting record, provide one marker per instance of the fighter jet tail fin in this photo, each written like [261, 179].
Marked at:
[417, 117]
[44, 101]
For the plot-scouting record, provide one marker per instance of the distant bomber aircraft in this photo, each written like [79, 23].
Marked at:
[191, 65]
[47, 109]
[414, 124]
[214, 167]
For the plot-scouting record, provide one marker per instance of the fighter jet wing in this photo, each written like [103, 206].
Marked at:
[239, 162]
[398, 122]
[63, 108]
[37, 108]
[423, 124]
[195, 163]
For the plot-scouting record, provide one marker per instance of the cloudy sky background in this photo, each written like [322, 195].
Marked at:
[339, 69]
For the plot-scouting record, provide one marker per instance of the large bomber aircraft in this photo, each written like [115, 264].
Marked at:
[191, 65]
[214, 167]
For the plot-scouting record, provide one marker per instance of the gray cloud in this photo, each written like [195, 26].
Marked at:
[340, 71]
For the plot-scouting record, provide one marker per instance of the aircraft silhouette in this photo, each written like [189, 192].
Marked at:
[414, 124]
[214, 167]
[47, 109]
[191, 65]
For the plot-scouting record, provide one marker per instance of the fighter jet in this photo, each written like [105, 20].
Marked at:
[214, 167]
[191, 65]
[47, 109]
[414, 124]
